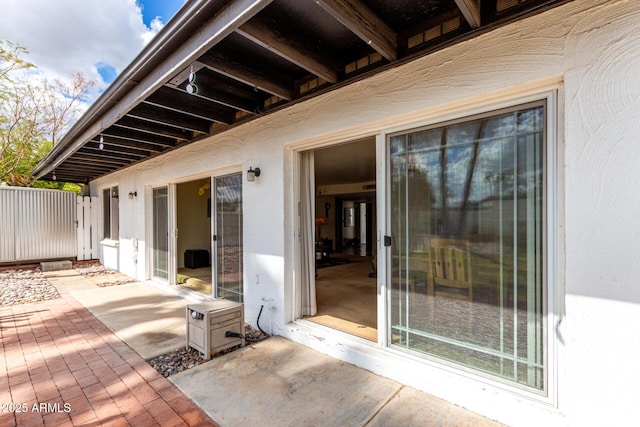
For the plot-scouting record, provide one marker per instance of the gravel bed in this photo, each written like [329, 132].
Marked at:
[22, 286]
[92, 269]
[182, 359]
[25, 286]
[103, 273]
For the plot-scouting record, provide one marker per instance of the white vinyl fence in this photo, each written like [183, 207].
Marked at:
[39, 224]
[87, 234]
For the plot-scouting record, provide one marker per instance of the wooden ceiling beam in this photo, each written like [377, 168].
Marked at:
[361, 21]
[121, 142]
[71, 165]
[288, 49]
[209, 93]
[100, 160]
[153, 128]
[212, 89]
[180, 101]
[112, 153]
[79, 168]
[69, 177]
[246, 74]
[135, 135]
[94, 146]
[165, 117]
[471, 11]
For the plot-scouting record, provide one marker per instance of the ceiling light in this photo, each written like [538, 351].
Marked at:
[191, 88]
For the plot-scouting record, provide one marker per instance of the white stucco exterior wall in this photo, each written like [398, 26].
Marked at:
[589, 50]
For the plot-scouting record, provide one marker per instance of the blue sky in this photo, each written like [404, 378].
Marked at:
[97, 38]
[153, 11]
[164, 9]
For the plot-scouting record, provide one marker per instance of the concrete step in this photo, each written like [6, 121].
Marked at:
[56, 265]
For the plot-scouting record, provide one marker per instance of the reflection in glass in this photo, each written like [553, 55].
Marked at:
[467, 222]
[161, 233]
[229, 237]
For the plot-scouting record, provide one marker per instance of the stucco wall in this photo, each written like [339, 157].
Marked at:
[590, 51]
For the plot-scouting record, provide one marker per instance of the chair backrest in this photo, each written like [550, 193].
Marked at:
[450, 268]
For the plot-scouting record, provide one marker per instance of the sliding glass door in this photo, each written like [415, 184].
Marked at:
[160, 211]
[466, 277]
[228, 237]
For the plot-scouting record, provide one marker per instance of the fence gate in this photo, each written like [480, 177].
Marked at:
[87, 214]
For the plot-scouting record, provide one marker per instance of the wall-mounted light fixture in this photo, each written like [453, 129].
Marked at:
[252, 174]
[101, 145]
[133, 194]
[54, 175]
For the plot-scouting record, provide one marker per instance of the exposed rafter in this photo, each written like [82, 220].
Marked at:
[471, 11]
[137, 136]
[165, 117]
[249, 56]
[358, 18]
[112, 154]
[289, 50]
[153, 128]
[226, 21]
[180, 101]
[127, 143]
[246, 73]
[113, 148]
[210, 90]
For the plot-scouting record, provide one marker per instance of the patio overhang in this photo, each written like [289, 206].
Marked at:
[253, 57]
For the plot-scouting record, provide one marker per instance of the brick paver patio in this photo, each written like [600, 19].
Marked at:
[62, 367]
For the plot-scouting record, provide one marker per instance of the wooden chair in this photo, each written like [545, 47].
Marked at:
[449, 268]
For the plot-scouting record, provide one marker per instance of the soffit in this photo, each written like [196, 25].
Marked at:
[251, 57]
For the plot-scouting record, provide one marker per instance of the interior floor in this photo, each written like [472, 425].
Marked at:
[346, 295]
[196, 279]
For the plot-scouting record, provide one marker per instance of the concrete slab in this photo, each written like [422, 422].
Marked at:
[67, 280]
[148, 319]
[279, 382]
[274, 382]
[411, 407]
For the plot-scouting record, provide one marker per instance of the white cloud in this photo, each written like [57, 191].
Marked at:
[67, 36]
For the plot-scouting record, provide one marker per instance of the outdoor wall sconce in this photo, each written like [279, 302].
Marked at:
[101, 145]
[252, 174]
[133, 194]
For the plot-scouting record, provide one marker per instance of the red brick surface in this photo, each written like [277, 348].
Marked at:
[56, 353]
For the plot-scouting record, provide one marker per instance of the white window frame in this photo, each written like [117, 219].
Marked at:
[114, 213]
[552, 241]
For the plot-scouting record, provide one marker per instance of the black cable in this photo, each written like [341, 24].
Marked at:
[258, 321]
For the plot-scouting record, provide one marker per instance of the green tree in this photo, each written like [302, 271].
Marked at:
[34, 114]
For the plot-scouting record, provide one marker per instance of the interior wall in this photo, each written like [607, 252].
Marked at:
[328, 230]
[194, 226]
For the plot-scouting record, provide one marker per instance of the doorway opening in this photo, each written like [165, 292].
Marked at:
[344, 221]
[193, 236]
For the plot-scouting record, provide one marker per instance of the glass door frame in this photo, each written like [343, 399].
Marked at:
[551, 239]
[170, 234]
[215, 232]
